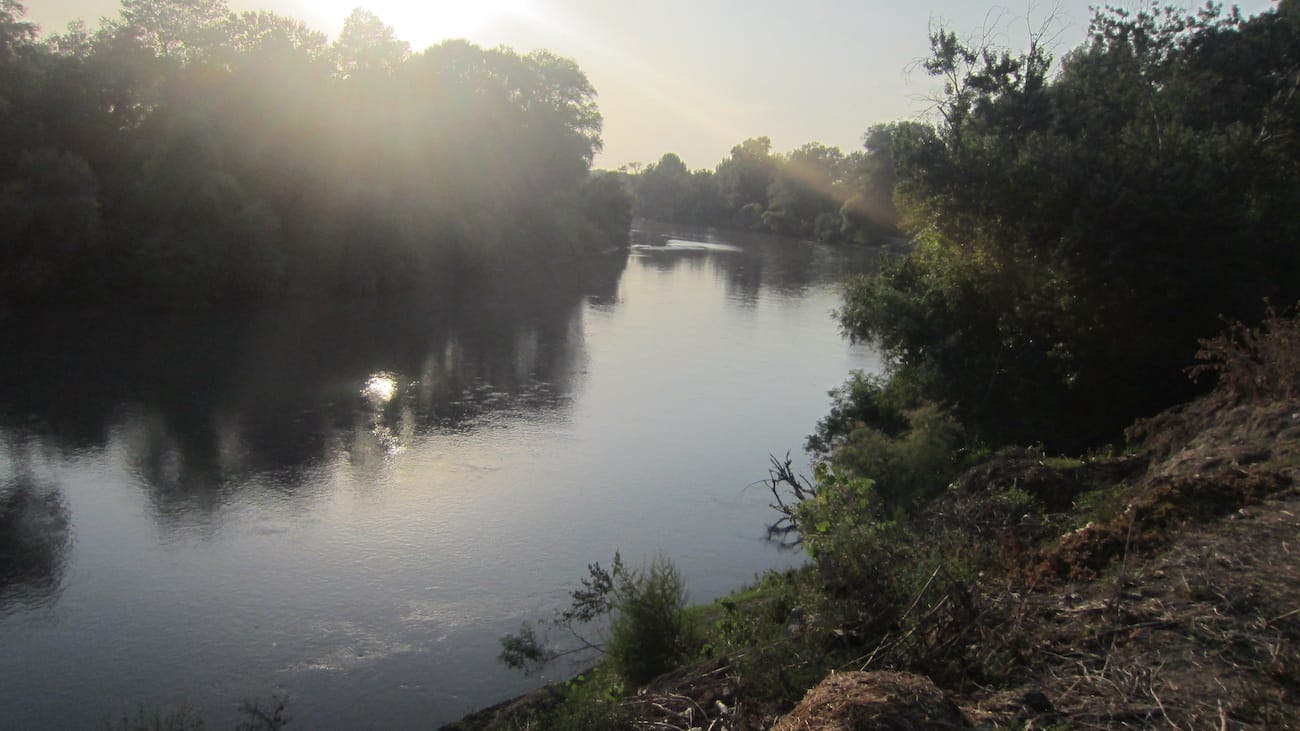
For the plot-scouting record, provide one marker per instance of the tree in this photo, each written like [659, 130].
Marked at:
[744, 177]
[51, 221]
[806, 185]
[260, 32]
[366, 47]
[561, 92]
[15, 33]
[664, 190]
[179, 31]
[1076, 235]
[608, 206]
[193, 141]
[868, 211]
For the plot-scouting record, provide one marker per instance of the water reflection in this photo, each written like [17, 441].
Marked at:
[34, 543]
[211, 407]
[749, 263]
[204, 405]
[356, 500]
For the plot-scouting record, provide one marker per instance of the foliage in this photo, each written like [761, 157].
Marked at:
[649, 628]
[814, 192]
[1076, 234]
[882, 431]
[800, 192]
[51, 222]
[651, 631]
[1254, 364]
[746, 174]
[908, 469]
[866, 399]
[181, 153]
[607, 204]
[588, 703]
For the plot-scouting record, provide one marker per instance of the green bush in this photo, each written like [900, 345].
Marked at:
[865, 399]
[651, 631]
[1071, 244]
[908, 469]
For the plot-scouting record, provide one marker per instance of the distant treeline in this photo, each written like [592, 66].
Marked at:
[184, 153]
[814, 192]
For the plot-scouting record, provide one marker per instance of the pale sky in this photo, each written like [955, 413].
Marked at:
[696, 77]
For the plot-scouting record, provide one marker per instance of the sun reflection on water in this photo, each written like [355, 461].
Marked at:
[380, 389]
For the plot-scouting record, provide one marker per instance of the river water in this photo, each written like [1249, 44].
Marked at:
[350, 504]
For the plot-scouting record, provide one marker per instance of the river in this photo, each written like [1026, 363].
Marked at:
[349, 504]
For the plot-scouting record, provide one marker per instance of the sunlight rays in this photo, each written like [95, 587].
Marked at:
[698, 106]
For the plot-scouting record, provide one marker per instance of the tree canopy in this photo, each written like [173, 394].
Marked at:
[183, 152]
[1076, 233]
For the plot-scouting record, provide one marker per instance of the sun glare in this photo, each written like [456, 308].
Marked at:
[380, 389]
[423, 24]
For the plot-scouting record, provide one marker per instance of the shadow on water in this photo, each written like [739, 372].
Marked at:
[212, 404]
[355, 500]
[35, 540]
[215, 407]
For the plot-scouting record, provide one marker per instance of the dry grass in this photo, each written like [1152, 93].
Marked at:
[1254, 364]
[1205, 635]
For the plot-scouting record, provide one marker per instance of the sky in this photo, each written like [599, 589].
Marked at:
[696, 77]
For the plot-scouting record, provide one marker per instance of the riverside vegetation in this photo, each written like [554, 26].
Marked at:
[1078, 228]
[1132, 586]
[182, 154]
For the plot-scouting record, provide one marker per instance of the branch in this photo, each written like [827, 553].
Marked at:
[781, 474]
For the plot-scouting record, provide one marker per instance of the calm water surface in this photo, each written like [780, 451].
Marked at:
[351, 504]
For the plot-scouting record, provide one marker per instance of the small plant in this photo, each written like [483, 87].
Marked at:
[649, 627]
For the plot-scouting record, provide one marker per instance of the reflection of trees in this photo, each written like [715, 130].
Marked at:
[205, 405]
[767, 263]
[34, 542]
[667, 260]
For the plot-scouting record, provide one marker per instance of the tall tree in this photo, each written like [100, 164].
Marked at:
[182, 31]
[745, 176]
[366, 46]
[1076, 235]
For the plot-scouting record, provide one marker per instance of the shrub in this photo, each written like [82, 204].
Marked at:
[865, 399]
[1254, 363]
[880, 429]
[908, 469]
[651, 631]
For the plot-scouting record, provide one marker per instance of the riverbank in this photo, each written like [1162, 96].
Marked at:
[1155, 584]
